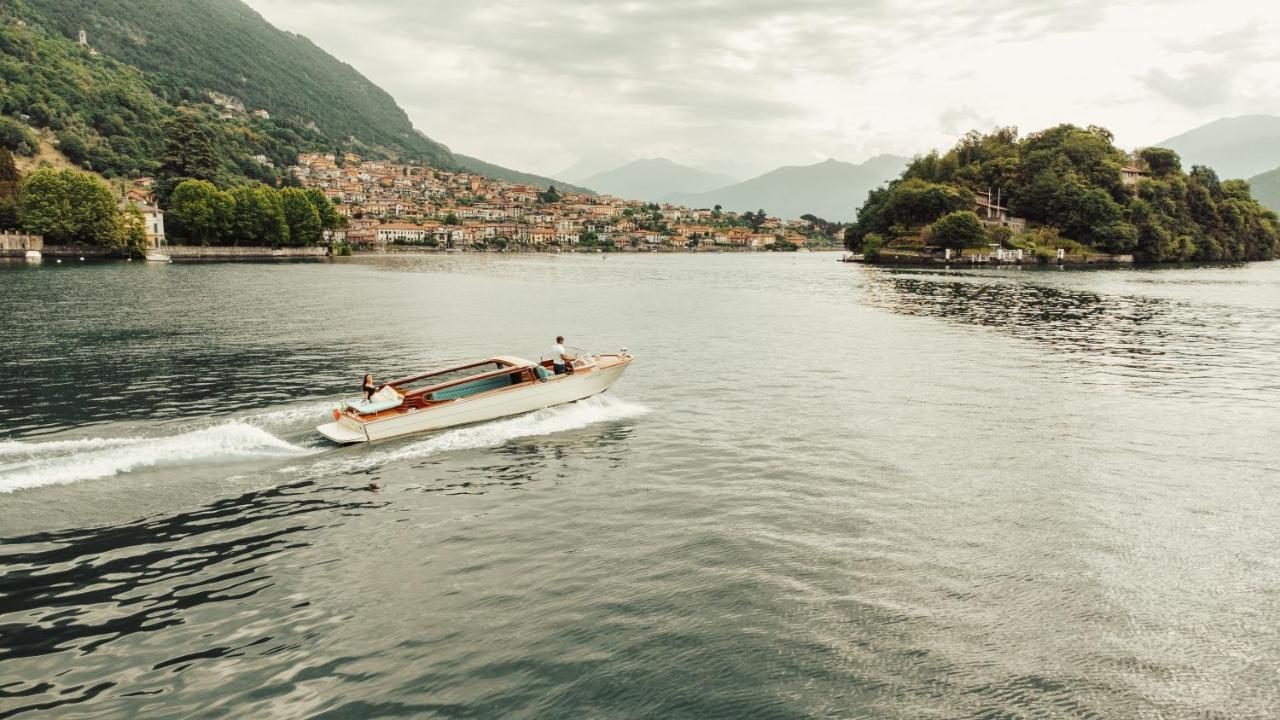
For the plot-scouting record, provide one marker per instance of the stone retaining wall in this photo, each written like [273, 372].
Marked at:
[198, 252]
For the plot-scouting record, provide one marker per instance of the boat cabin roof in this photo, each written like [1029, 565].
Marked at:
[511, 360]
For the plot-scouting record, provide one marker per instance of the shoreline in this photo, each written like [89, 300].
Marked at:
[219, 253]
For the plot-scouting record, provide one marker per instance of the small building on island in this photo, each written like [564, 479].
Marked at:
[1131, 174]
[990, 211]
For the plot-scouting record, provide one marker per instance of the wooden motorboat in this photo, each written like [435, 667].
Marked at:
[476, 392]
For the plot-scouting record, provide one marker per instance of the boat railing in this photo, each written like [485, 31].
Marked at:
[423, 376]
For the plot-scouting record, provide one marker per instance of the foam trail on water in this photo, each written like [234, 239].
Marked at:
[35, 464]
[492, 434]
[294, 417]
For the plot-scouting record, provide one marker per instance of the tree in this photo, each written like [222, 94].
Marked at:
[871, 245]
[1162, 162]
[959, 230]
[550, 195]
[452, 219]
[17, 137]
[9, 180]
[301, 216]
[258, 218]
[73, 146]
[915, 202]
[130, 237]
[756, 220]
[188, 154]
[200, 213]
[330, 218]
[66, 206]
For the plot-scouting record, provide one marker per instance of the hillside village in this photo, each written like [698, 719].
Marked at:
[390, 204]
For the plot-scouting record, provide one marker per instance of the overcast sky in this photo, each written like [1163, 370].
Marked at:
[747, 85]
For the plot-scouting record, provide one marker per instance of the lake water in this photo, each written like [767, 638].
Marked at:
[821, 490]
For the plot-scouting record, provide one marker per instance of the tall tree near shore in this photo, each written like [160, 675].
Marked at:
[188, 154]
[259, 217]
[130, 237]
[9, 180]
[200, 213]
[301, 216]
[66, 206]
[959, 229]
[330, 218]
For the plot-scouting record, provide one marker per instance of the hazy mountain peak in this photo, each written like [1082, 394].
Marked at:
[653, 178]
[1235, 147]
[831, 189]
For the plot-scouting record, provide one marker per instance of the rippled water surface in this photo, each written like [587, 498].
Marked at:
[821, 490]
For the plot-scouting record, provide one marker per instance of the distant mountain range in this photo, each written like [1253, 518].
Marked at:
[830, 189]
[1237, 147]
[654, 178]
[592, 163]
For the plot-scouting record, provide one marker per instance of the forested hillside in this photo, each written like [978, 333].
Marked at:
[188, 48]
[1067, 183]
[261, 95]
[104, 116]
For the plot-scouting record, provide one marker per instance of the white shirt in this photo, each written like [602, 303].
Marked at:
[558, 353]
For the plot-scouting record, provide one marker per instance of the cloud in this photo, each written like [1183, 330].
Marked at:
[958, 121]
[1199, 86]
[529, 83]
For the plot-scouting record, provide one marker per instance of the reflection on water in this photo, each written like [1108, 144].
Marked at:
[1146, 341]
[74, 592]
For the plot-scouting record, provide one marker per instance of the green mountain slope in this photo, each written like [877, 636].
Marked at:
[145, 58]
[191, 47]
[104, 115]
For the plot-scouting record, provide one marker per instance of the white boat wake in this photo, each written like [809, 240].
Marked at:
[32, 464]
[56, 462]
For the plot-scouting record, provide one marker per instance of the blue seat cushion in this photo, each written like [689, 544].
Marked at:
[367, 407]
[475, 387]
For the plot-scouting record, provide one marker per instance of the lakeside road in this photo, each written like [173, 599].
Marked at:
[821, 490]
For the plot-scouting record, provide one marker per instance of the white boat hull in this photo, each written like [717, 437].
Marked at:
[479, 408]
[153, 256]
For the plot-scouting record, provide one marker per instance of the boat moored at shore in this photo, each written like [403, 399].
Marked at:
[484, 390]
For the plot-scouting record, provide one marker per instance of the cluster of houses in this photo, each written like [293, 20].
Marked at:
[396, 204]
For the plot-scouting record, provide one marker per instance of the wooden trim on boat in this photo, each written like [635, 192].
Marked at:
[456, 368]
